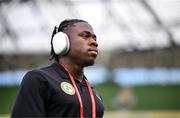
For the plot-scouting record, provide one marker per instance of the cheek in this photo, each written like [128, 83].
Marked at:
[78, 45]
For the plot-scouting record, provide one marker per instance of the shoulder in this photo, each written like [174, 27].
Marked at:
[98, 95]
[39, 72]
[32, 78]
[44, 73]
[35, 75]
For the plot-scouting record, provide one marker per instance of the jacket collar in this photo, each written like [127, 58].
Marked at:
[60, 70]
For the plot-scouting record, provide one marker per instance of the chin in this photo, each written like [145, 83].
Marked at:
[89, 63]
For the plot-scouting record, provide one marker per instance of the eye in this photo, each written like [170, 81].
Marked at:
[94, 37]
[85, 35]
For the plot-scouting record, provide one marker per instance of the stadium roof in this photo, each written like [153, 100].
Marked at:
[26, 25]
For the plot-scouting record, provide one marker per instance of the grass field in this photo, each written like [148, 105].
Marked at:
[147, 98]
[142, 114]
[133, 114]
[7, 98]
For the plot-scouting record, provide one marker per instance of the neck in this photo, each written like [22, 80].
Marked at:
[75, 70]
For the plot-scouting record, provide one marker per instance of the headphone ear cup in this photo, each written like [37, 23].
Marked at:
[61, 44]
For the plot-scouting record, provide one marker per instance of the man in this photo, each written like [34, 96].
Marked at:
[61, 89]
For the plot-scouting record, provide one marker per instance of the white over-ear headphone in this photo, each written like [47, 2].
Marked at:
[61, 43]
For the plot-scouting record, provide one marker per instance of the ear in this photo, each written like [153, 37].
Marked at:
[61, 43]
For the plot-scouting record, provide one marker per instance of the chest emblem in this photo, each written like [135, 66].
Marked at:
[67, 88]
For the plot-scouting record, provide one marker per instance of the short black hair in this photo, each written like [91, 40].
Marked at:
[65, 23]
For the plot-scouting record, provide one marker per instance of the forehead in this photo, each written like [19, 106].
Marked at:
[81, 26]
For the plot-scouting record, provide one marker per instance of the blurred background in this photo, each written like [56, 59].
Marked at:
[137, 71]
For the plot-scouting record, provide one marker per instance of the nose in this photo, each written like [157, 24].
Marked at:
[93, 42]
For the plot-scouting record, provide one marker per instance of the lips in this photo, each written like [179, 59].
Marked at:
[93, 50]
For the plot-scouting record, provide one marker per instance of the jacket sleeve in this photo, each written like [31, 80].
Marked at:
[31, 98]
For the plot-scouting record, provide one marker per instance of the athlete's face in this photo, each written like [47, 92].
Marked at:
[83, 48]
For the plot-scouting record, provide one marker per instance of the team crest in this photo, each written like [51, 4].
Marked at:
[67, 88]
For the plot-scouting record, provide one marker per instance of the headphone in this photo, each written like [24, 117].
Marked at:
[60, 43]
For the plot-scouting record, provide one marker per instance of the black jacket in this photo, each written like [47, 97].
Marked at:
[48, 92]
